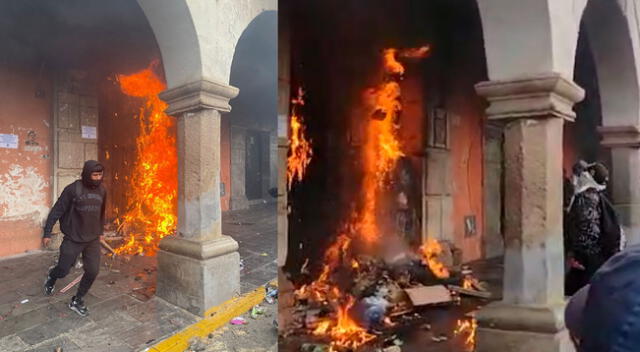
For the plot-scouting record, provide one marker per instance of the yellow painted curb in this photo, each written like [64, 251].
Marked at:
[213, 319]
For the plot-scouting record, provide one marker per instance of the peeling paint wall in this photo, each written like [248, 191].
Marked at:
[25, 172]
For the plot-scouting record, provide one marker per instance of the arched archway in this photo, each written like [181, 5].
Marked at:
[198, 41]
[250, 128]
[531, 48]
[612, 31]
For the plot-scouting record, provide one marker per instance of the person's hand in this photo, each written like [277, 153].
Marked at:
[45, 241]
[573, 263]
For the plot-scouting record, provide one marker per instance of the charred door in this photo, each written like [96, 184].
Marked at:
[253, 164]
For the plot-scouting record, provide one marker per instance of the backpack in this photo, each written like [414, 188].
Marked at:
[611, 231]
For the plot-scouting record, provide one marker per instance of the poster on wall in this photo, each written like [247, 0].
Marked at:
[89, 132]
[9, 141]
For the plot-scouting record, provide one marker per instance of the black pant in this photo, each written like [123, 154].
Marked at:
[577, 278]
[69, 252]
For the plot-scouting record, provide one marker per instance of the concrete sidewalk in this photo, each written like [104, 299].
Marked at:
[124, 313]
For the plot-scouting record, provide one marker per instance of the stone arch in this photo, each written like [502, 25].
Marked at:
[197, 39]
[612, 30]
[254, 72]
[524, 38]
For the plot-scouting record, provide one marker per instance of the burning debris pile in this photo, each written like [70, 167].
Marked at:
[370, 282]
[361, 298]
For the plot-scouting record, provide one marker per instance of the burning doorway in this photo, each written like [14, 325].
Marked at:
[392, 198]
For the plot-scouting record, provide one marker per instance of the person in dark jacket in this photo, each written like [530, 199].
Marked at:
[593, 231]
[604, 316]
[81, 211]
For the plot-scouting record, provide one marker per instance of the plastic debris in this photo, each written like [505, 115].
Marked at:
[24, 301]
[314, 347]
[271, 295]
[392, 349]
[256, 311]
[238, 321]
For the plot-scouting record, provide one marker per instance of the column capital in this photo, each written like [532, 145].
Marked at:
[620, 136]
[539, 96]
[197, 95]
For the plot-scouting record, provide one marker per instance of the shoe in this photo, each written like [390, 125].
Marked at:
[49, 285]
[77, 305]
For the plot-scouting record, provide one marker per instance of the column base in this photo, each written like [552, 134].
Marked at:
[513, 328]
[630, 219]
[198, 282]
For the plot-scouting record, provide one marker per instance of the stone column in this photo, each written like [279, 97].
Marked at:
[530, 316]
[284, 82]
[624, 142]
[198, 268]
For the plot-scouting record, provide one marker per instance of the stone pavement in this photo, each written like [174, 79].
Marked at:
[124, 313]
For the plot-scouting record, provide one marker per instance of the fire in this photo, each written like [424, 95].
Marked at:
[300, 151]
[345, 333]
[381, 150]
[467, 283]
[151, 210]
[430, 252]
[467, 327]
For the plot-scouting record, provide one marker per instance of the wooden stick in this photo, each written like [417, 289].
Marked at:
[474, 293]
[71, 284]
[107, 246]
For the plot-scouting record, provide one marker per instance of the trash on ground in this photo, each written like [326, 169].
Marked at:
[256, 311]
[238, 321]
[425, 295]
[314, 347]
[24, 301]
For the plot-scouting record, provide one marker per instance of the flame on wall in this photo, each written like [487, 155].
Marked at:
[151, 211]
[300, 152]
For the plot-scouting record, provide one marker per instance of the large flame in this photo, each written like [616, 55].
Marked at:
[151, 200]
[430, 252]
[300, 151]
[381, 150]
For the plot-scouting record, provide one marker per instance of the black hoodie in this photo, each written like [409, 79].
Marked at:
[81, 215]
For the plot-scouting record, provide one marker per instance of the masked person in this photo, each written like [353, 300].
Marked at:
[81, 210]
[593, 233]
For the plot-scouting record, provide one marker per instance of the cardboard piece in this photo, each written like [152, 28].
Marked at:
[425, 295]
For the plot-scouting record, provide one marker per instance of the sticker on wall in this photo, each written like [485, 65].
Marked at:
[282, 126]
[89, 132]
[9, 141]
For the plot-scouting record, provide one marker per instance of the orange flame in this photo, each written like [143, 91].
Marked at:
[467, 327]
[467, 283]
[382, 148]
[380, 153]
[300, 151]
[151, 202]
[430, 252]
[345, 333]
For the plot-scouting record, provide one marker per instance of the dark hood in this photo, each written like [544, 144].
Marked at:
[89, 167]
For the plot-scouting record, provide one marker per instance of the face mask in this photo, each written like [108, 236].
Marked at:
[95, 183]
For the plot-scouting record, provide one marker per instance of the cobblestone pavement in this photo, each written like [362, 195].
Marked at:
[124, 313]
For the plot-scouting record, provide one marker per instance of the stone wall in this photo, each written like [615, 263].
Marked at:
[25, 168]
